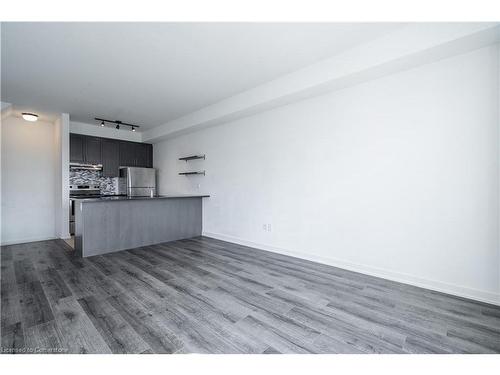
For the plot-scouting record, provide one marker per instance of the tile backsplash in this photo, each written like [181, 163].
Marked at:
[108, 185]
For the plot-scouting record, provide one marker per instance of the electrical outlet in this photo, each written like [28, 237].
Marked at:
[268, 227]
[264, 227]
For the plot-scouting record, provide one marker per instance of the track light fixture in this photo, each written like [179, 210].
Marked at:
[117, 122]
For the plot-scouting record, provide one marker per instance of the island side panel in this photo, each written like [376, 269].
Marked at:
[78, 240]
[109, 226]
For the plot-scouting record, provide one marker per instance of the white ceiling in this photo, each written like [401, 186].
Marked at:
[151, 73]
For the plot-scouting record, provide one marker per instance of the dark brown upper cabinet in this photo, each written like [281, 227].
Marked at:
[111, 153]
[84, 149]
[144, 155]
[76, 148]
[136, 154]
[127, 154]
[93, 153]
[110, 157]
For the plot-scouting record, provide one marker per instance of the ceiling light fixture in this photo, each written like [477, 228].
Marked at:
[117, 122]
[29, 116]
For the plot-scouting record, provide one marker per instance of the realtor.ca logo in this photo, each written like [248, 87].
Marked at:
[30, 350]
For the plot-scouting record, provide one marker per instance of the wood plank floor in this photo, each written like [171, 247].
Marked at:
[208, 296]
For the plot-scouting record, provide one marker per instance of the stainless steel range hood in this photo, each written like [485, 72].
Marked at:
[83, 166]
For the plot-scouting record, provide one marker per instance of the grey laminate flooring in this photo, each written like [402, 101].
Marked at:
[207, 296]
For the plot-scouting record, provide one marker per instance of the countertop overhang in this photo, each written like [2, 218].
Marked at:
[125, 198]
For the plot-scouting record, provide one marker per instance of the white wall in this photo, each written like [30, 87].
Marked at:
[28, 180]
[106, 132]
[4, 106]
[396, 177]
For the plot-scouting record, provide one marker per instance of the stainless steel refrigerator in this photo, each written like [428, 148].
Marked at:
[137, 182]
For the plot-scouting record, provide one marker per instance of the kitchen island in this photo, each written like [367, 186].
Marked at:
[105, 225]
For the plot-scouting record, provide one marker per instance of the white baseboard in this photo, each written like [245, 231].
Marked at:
[26, 240]
[439, 286]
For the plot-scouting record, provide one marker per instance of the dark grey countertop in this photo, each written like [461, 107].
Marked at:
[125, 198]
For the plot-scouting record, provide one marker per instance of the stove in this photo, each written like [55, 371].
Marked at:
[80, 192]
[84, 191]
